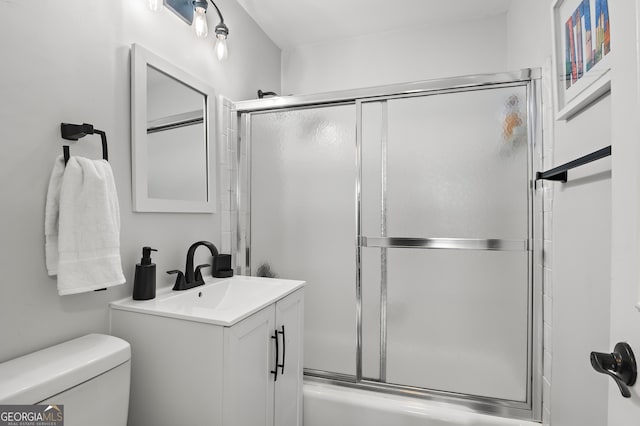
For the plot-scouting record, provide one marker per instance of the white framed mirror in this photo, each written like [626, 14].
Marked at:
[172, 118]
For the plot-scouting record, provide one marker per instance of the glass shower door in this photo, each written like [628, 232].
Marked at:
[302, 221]
[445, 264]
[409, 214]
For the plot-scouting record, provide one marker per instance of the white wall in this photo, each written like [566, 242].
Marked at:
[577, 243]
[69, 61]
[446, 50]
[528, 34]
[581, 271]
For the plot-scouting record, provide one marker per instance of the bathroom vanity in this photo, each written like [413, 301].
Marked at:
[225, 353]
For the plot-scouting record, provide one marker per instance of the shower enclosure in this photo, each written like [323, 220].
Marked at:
[410, 212]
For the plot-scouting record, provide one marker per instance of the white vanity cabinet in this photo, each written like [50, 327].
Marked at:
[196, 361]
[257, 391]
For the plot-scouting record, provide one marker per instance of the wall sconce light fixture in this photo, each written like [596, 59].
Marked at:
[194, 12]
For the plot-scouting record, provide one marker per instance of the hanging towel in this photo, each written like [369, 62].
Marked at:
[52, 207]
[89, 228]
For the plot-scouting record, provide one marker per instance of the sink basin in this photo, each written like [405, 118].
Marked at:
[219, 301]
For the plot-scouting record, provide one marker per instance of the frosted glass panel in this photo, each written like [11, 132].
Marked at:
[371, 310]
[450, 165]
[456, 165]
[372, 158]
[303, 221]
[458, 321]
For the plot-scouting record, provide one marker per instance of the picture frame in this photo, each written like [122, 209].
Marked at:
[581, 54]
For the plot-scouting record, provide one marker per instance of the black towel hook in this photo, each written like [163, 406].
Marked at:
[73, 132]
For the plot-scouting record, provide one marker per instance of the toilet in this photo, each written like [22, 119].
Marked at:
[89, 376]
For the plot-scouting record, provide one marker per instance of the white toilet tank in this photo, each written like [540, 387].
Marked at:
[89, 376]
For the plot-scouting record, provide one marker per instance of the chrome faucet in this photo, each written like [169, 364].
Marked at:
[192, 278]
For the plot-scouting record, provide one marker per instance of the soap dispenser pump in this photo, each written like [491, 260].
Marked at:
[144, 283]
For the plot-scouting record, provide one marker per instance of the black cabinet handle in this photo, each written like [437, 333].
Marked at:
[275, 372]
[620, 365]
[284, 346]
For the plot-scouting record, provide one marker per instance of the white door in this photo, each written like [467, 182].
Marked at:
[625, 318]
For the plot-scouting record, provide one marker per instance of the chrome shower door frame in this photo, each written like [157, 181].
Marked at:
[530, 409]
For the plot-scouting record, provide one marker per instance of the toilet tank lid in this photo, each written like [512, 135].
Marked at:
[37, 376]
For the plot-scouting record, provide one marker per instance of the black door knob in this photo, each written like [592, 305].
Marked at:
[620, 365]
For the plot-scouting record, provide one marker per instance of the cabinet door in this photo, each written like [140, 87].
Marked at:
[249, 357]
[288, 385]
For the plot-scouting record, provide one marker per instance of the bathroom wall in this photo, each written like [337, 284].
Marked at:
[69, 61]
[581, 270]
[577, 246]
[445, 50]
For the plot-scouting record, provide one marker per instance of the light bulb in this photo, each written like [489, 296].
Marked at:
[154, 5]
[200, 22]
[221, 47]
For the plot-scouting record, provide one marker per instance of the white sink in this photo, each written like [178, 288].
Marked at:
[221, 301]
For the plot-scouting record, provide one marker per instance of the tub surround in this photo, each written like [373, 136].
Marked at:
[327, 404]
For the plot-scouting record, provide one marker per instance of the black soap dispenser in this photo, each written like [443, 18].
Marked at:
[144, 283]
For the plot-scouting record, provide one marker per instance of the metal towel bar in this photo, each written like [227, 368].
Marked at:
[560, 173]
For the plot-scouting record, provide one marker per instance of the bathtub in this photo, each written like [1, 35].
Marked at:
[326, 404]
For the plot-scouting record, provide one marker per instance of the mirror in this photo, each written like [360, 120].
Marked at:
[171, 119]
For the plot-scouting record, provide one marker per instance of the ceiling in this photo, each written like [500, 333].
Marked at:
[292, 23]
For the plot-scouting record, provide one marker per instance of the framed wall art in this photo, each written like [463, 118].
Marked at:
[581, 54]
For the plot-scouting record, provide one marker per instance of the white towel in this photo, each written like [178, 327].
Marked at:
[89, 228]
[52, 207]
